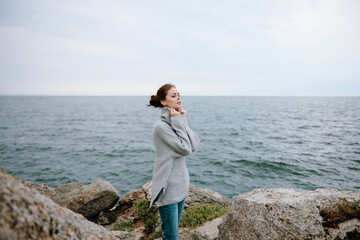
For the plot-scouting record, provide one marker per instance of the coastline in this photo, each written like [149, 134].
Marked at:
[251, 215]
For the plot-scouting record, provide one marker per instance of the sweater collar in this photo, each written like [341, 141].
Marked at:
[165, 113]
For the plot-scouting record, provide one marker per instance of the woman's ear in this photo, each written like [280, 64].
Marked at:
[163, 102]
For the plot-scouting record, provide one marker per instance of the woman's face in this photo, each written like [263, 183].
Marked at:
[172, 99]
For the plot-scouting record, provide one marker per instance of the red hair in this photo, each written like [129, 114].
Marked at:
[155, 100]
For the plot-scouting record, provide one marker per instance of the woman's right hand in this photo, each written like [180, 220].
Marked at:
[173, 112]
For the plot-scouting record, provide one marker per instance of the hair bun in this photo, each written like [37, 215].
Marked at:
[155, 101]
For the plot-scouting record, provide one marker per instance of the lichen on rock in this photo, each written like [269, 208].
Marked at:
[284, 214]
[27, 214]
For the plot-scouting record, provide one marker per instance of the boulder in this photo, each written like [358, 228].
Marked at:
[196, 196]
[41, 188]
[132, 196]
[27, 214]
[286, 214]
[88, 200]
[207, 231]
[185, 234]
[201, 196]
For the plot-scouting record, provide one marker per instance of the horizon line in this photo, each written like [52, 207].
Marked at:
[124, 95]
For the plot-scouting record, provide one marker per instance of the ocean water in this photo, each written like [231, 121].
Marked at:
[303, 143]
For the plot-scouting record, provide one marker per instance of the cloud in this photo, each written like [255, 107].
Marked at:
[260, 48]
[324, 26]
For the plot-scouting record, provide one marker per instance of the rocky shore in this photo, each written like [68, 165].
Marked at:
[76, 211]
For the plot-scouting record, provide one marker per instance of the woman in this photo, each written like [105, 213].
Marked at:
[173, 140]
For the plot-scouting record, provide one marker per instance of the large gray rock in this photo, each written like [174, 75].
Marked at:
[196, 196]
[26, 214]
[88, 200]
[201, 196]
[286, 214]
[207, 231]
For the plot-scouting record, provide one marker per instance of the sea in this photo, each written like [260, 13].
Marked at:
[302, 143]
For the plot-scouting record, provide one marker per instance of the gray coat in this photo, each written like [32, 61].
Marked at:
[173, 140]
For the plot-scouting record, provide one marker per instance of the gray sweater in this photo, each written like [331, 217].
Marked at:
[173, 140]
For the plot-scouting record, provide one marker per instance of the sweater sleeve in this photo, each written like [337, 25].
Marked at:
[175, 136]
[192, 136]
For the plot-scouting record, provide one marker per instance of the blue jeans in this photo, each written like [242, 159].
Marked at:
[170, 219]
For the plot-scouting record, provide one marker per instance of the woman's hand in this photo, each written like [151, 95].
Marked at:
[182, 111]
[173, 112]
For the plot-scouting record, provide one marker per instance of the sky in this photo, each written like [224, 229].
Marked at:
[205, 48]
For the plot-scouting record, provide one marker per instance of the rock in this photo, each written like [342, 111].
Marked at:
[185, 234]
[27, 214]
[208, 231]
[147, 188]
[285, 214]
[124, 211]
[132, 196]
[196, 196]
[138, 233]
[41, 188]
[201, 196]
[102, 219]
[88, 200]
[122, 235]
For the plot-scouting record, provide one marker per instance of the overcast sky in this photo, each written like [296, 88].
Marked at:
[246, 48]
